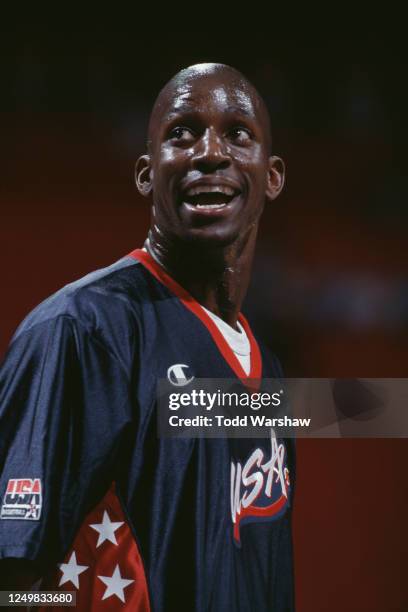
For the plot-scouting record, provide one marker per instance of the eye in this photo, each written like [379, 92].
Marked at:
[181, 134]
[240, 135]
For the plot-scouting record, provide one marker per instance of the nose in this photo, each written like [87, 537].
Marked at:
[210, 154]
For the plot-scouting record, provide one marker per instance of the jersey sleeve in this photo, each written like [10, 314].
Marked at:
[64, 409]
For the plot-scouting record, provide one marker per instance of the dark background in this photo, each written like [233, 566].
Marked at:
[330, 289]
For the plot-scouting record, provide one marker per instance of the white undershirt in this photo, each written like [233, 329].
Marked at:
[237, 340]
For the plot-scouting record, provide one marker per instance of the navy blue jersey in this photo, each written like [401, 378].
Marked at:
[128, 520]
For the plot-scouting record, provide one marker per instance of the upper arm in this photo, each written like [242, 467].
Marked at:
[64, 405]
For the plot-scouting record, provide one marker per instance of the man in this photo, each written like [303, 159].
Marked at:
[137, 522]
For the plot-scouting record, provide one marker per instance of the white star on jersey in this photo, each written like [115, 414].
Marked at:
[115, 584]
[106, 529]
[71, 570]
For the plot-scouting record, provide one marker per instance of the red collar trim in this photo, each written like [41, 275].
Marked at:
[189, 302]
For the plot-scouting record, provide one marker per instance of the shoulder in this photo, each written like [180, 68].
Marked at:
[107, 294]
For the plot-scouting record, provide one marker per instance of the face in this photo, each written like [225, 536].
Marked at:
[209, 169]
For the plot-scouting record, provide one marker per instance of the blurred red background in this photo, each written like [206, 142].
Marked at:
[329, 291]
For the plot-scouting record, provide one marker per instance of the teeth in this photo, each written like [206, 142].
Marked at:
[210, 205]
[210, 189]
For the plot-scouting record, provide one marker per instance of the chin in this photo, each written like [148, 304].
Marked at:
[211, 237]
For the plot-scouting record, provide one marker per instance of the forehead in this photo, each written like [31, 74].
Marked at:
[212, 93]
[207, 93]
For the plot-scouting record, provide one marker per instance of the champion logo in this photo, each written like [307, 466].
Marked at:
[259, 488]
[177, 374]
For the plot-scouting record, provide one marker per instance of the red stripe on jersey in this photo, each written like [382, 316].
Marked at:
[189, 302]
[260, 511]
[103, 566]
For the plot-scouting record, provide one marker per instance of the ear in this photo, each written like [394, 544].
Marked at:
[276, 177]
[144, 175]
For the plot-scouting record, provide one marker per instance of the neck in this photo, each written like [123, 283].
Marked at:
[217, 277]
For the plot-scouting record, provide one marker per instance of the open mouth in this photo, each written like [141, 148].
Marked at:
[214, 197]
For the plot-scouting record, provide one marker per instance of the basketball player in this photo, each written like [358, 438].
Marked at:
[91, 499]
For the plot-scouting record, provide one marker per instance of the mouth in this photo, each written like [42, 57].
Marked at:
[210, 199]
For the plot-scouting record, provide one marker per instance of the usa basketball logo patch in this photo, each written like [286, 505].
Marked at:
[22, 500]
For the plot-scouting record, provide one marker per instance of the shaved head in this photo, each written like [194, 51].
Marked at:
[213, 75]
